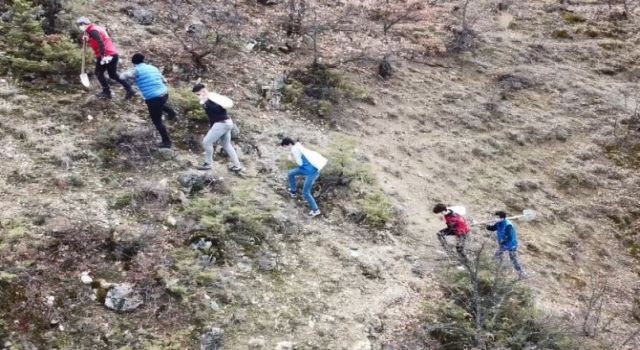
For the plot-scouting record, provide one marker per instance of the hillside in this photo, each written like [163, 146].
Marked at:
[534, 106]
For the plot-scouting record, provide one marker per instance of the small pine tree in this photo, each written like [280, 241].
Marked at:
[29, 52]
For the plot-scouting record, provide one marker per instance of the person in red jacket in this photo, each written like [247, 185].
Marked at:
[456, 226]
[106, 56]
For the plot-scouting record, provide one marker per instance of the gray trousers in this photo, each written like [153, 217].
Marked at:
[220, 131]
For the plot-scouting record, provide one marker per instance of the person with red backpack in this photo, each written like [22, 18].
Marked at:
[106, 56]
[456, 226]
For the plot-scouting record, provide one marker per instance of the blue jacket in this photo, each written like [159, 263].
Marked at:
[506, 234]
[150, 81]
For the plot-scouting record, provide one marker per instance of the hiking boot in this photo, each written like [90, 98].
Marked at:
[130, 94]
[204, 166]
[172, 116]
[235, 169]
[104, 95]
[314, 213]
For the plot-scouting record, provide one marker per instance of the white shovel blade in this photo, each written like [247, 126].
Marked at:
[84, 79]
[528, 214]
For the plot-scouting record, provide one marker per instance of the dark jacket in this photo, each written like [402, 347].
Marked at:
[215, 112]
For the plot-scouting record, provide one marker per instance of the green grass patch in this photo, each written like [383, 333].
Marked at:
[572, 18]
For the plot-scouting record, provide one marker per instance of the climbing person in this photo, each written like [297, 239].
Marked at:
[106, 56]
[507, 241]
[309, 165]
[152, 85]
[220, 127]
[456, 226]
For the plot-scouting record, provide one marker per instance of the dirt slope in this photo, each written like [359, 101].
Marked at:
[520, 122]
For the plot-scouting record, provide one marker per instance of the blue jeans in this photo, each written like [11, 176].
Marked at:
[513, 255]
[310, 179]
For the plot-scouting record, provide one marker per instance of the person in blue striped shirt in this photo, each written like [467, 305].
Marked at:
[153, 87]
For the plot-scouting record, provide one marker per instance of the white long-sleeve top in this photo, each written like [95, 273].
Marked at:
[314, 158]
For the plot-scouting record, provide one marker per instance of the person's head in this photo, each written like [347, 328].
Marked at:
[200, 90]
[83, 23]
[501, 214]
[137, 58]
[287, 142]
[440, 209]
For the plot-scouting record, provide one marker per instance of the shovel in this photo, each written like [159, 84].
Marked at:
[84, 78]
[527, 215]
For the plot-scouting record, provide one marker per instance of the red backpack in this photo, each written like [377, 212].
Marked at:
[458, 222]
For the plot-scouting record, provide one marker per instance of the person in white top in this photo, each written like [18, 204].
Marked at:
[309, 165]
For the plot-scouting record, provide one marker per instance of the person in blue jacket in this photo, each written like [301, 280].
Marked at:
[153, 87]
[507, 241]
[309, 165]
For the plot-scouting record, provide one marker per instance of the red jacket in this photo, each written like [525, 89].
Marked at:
[457, 223]
[109, 46]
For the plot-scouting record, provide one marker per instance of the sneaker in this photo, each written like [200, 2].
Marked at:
[104, 94]
[522, 275]
[204, 166]
[314, 213]
[130, 95]
[293, 195]
[235, 169]
[164, 145]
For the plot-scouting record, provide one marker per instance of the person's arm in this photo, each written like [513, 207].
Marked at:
[297, 155]
[128, 75]
[492, 227]
[95, 35]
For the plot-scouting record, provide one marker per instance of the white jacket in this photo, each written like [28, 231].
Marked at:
[315, 158]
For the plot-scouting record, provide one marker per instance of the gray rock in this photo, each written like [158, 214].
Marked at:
[284, 345]
[239, 316]
[166, 153]
[267, 261]
[195, 180]
[122, 298]
[527, 185]
[59, 225]
[419, 269]
[256, 343]
[143, 16]
[213, 339]
[269, 2]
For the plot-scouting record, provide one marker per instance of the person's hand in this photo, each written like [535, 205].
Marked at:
[106, 60]
[85, 37]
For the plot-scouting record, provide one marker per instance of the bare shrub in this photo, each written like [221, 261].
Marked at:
[462, 32]
[200, 29]
[486, 310]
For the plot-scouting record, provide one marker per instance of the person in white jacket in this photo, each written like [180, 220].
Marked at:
[309, 165]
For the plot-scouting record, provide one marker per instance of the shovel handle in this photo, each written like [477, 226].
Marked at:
[493, 221]
[84, 51]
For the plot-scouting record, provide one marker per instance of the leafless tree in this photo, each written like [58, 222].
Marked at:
[199, 27]
[400, 12]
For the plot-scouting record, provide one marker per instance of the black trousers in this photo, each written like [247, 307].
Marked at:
[157, 106]
[112, 69]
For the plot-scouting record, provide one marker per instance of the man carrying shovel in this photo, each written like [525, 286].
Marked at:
[152, 85]
[507, 241]
[106, 56]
